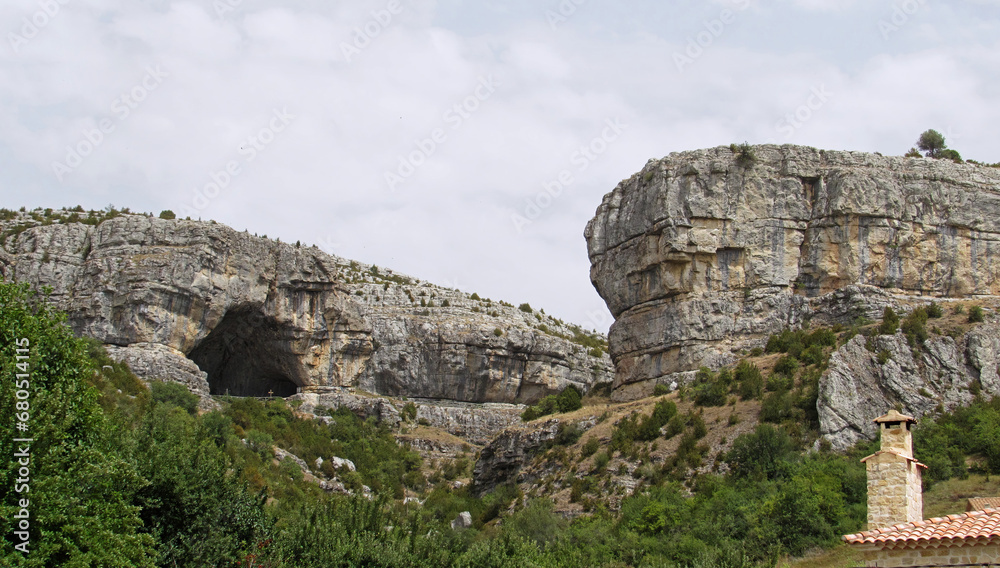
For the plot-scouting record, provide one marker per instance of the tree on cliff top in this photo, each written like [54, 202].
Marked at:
[932, 143]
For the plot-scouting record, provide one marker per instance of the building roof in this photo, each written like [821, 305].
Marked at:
[895, 453]
[977, 526]
[980, 503]
[894, 416]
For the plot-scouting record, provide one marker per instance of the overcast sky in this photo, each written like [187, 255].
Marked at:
[466, 143]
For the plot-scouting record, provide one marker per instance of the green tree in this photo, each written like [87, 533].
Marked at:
[569, 399]
[167, 214]
[890, 322]
[762, 453]
[194, 503]
[949, 154]
[80, 499]
[932, 143]
[175, 394]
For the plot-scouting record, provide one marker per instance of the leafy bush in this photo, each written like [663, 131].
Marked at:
[813, 355]
[590, 447]
[649, 426]
[776, 407]
[409, 412]
[601, 461]
[914, 327]
[567, 434]
[568, 400]
[760, 453]
[934, 310]
[525, 307]
[167, 214]
[975, 314]
[660, 390]
[176, 394]
[749, 380]
[710, 389]
[890, 322]
[744, 155]
[675, 426]
[786, 366]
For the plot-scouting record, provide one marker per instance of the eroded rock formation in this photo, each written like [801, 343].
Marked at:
[260, 317]
[700, 257]
[866, 377]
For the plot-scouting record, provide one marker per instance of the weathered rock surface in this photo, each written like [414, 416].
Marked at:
[259, 316]
[856, 387]
[153, 361]
[699, 257]
[502, 460]
[474, 423]
[462, 521]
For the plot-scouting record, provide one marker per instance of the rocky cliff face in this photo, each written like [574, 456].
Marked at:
[866, 377]
[699, 256]
[258, 316]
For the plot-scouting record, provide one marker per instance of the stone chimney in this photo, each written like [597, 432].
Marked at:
[894, 491]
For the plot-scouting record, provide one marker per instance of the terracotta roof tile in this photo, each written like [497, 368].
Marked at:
[980, 503]
[974, 525]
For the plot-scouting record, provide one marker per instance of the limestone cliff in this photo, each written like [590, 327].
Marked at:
[701, 255]
[259, 316]
[866, 377]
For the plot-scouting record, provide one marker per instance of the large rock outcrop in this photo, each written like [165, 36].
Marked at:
[869, 376]
[260, 317]
[701, 255]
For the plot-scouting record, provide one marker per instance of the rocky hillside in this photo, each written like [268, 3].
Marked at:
[229, 312]
[943, 372]
[702, 254]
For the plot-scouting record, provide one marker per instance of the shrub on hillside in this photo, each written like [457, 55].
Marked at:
[174, 393]
[975, 314]
[890, 322]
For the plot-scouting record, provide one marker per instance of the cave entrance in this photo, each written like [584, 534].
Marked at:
[248, 354]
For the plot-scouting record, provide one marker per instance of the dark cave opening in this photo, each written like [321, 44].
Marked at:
[248, 354]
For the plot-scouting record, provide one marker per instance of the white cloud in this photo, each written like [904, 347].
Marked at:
[321, 178]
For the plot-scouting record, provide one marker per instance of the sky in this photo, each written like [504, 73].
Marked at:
[464, 143]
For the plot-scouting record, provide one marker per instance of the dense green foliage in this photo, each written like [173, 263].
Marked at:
[568, 400]
[81, 487]
[975, 314]
[944, 442]
[932, 142]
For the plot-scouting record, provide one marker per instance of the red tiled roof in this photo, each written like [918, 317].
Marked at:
[978, 525]
[980, 503]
